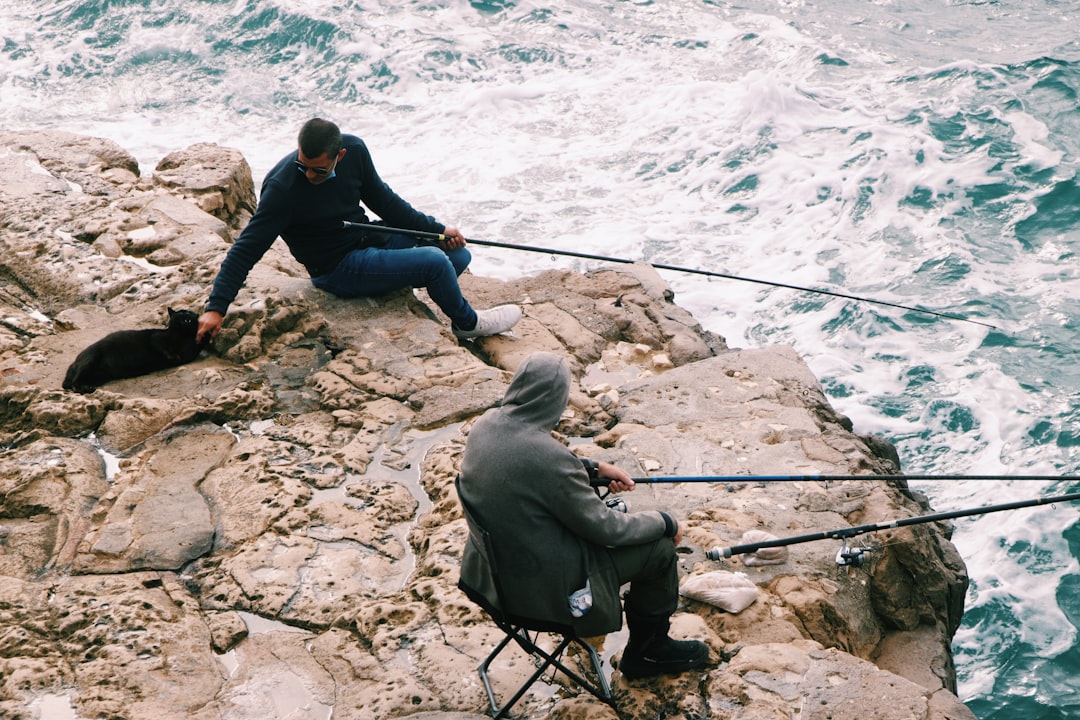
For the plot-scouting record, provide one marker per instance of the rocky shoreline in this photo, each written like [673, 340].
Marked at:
[271, 531]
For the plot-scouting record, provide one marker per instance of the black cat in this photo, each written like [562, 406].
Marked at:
[129, 353]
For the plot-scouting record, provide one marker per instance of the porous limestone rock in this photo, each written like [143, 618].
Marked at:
[271, 531]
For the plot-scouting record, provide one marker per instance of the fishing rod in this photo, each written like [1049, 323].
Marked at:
[854, 557]
[438, 237]
[834, 478]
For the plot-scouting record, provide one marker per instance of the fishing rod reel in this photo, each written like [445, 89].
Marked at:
[617, 503]
[848, 556]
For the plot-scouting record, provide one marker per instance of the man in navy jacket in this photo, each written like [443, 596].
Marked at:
[306, 197]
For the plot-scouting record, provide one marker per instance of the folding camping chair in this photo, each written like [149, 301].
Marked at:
[526, 632]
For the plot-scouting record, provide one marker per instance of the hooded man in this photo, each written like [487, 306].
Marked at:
[553, 535]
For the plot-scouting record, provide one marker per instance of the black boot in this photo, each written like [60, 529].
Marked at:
[650, 651]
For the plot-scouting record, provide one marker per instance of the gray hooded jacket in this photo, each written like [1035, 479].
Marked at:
[550, 529]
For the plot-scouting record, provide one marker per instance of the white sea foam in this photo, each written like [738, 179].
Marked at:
[878, 149]
[1017, 560]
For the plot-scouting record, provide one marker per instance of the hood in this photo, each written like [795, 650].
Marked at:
[539, 391]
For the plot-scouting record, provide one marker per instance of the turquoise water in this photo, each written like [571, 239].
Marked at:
[919, 152]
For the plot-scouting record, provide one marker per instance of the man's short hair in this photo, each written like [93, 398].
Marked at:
[318, 137]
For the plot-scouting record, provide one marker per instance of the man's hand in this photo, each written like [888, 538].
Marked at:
[620, 479]
[453, 239]
[209, 325]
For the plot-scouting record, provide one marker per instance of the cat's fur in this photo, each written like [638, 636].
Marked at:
[129, 353]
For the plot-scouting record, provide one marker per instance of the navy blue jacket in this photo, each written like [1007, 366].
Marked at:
[308, 218]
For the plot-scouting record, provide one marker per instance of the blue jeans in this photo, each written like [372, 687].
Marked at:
[404, 262]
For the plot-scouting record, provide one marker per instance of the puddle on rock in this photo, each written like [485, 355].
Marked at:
[399, 460]
[55, 707]
[112, 462]
[256, 625]
[286, 692]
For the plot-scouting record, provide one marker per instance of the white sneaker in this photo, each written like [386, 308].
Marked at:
[492, 322]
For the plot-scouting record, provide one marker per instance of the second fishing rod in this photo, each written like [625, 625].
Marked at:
[855, 556]
[850, 532]
[835, 478]
[438, 237]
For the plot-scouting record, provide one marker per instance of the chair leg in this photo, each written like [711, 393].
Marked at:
[496, 711]
[601, 690]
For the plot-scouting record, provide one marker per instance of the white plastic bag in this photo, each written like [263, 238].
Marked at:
[581, 600]
[730, 591]
[764, 556]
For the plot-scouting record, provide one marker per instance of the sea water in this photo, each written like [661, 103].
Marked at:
[919, 152]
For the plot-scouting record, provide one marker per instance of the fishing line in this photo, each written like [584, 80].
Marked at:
[437, 237]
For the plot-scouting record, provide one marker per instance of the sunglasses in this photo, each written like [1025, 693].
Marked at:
[317, 170]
